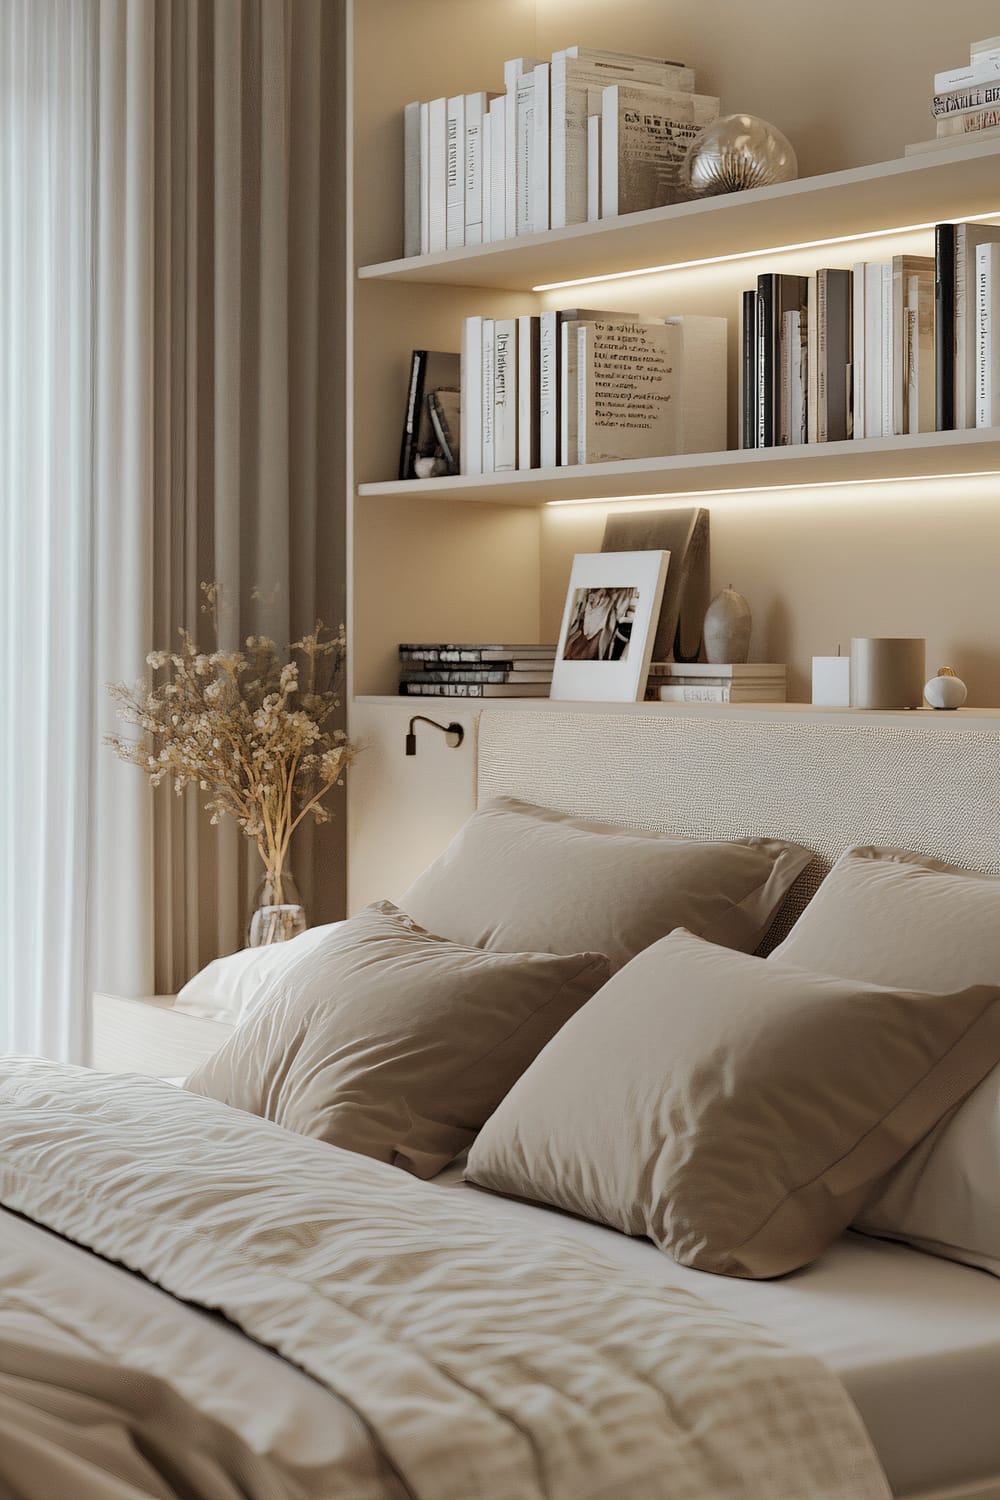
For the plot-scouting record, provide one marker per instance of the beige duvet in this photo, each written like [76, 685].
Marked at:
[460, 1365]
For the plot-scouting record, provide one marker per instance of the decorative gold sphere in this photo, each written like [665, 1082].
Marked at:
[738, 152]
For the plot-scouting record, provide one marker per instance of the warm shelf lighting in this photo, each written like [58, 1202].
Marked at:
[681, 497]
[741, 255]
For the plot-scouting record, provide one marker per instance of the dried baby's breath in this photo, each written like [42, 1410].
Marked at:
[250, 727]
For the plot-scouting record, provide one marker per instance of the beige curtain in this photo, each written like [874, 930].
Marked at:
[249, 261]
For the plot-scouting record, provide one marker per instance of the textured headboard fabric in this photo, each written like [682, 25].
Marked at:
[826, 781]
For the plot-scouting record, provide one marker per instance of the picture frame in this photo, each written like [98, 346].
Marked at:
[608, 626]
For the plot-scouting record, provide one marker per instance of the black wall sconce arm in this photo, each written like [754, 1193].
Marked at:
[453, 732]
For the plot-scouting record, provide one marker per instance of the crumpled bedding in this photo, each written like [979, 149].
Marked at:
[460, 1364]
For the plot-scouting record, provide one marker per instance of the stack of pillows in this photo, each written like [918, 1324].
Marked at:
[581, 1007]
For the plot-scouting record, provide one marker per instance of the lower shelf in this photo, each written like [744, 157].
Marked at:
[925, 455]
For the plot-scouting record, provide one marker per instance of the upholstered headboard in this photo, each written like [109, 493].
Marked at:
[917, 782]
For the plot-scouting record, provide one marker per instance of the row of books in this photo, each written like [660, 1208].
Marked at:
[880, 349]
[584, 386]
[586, 134]
[716, 682]
[449, 670]
[966, 102]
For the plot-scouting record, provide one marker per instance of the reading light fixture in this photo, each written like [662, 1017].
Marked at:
[453, 732]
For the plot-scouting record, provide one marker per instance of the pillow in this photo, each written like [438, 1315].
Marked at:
[898, 918]
[518, 877]
[733, 1109]
[394, 1043]
[230, 988]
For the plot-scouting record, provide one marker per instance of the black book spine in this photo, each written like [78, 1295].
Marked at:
[414, 404]
[748, 370]
[765, 360]
[944, 327]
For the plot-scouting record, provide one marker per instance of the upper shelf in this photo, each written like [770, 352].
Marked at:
[922, 455]
[936, 185]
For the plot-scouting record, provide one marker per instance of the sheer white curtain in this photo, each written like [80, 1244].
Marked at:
[75, 523]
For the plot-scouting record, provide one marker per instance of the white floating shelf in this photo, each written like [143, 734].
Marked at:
[884, 196]
[988, 717]
[930, 454]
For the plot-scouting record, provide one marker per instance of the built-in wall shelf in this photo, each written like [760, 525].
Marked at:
[990, 717]
[937, 185]
[923, 455]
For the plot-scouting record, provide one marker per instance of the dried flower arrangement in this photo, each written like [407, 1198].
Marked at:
[250, 728]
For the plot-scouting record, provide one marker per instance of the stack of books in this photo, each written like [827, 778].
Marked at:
[877, 349]
[587, 386]
[447, 670]
[966, 101]
[716, 682]
[585, 134]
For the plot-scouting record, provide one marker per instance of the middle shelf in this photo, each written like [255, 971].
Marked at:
[924, 455]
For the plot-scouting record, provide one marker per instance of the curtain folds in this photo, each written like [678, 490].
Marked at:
[172, 294]
[249, 297]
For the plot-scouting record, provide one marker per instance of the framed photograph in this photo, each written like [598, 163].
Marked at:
[608, 626]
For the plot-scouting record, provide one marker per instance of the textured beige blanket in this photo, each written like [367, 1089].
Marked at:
[480, 1368]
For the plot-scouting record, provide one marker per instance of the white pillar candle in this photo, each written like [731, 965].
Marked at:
[888, 671]
[832, 681]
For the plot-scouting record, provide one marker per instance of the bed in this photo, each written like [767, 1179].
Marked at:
[173, 1321]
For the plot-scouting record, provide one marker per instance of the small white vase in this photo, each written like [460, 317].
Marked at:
[946, 690]
[727, 628]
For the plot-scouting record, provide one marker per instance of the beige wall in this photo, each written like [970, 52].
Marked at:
[849, 84]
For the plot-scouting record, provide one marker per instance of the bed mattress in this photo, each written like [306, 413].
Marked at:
[915, 1339]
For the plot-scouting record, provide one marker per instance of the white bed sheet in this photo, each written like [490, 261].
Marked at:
[915, 1339]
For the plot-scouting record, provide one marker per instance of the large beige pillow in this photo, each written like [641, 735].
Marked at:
[523, 878]
[394, 1043]
[904, 919]
[733, 1109]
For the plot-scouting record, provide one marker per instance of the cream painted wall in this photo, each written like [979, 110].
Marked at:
[850, 84]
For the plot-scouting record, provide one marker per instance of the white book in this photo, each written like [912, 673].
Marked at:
[527, 391]
[703, 358]
[985, 68]
[920, 413]
[471, 445]
[524, 103]
[593, 168]
[987, 342]
[692, 693]
[514, 69]
[968, 238]
[792, 353]
[720, 671]
[569, 396]
[498, 168]
[628, 391]
[437, 175]
[904, 269]
[873, 349]
[990, 44]
[645, 135]
[538, 166]
[487, 396]
[476, 106]
[812, 360]
[455, 186]
[858, 349]
[411, 179]
[575, 72]
[425, 168]
[504, 394]
[886, 361]
[487, 138]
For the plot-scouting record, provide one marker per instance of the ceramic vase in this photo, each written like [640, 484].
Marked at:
[727, 628]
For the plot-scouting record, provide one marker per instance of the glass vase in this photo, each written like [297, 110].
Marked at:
[278, 913]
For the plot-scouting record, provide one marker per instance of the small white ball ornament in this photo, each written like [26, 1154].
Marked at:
[946, 690]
